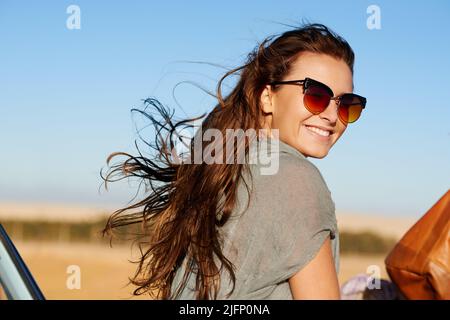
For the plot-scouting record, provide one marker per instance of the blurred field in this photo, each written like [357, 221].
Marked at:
[104, 270]
[382, 224]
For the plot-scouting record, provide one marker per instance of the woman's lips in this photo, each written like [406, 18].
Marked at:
[319, 134]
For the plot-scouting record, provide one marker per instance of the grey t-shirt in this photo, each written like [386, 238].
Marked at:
[290, 215]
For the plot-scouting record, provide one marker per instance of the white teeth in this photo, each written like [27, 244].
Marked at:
[319, 131]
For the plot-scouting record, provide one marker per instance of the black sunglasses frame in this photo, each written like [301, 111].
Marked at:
[307, 82]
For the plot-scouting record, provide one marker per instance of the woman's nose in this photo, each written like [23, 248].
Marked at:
[331, 112]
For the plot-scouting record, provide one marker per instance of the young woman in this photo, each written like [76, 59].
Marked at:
[226, 230]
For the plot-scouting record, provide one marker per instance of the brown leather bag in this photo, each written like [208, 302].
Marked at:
[419, 264]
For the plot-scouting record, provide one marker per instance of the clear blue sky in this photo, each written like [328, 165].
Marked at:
[66, 95]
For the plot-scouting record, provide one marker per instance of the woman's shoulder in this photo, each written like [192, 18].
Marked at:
[293, 187]
[288, 170]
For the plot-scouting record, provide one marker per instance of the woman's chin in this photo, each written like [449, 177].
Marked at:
[314, 145]
[315, 152]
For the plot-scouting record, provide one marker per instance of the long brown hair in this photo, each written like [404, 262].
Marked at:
[187, 203]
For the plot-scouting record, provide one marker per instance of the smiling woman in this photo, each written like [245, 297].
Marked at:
[311, 124]
[226, 230]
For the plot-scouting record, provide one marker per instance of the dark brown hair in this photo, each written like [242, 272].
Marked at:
[187, 203]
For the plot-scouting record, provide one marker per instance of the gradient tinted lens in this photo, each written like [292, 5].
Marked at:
[316, 98]
[350, 108]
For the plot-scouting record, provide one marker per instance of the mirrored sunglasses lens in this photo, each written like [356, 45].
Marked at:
[316, 99]
[350, 108]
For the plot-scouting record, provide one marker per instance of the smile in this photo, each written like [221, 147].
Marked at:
[320, 132]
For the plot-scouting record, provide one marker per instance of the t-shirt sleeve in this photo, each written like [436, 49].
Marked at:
[296, 216]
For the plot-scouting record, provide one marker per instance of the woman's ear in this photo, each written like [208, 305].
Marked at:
[267, 109]
[266, 100]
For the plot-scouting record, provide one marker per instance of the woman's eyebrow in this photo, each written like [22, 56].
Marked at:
[343, 92]
[353, 88]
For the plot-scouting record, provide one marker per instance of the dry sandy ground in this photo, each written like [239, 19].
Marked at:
[105, 270]
[394, 227]
[51, 211]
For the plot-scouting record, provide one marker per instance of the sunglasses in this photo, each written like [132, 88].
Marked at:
[317, 97]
